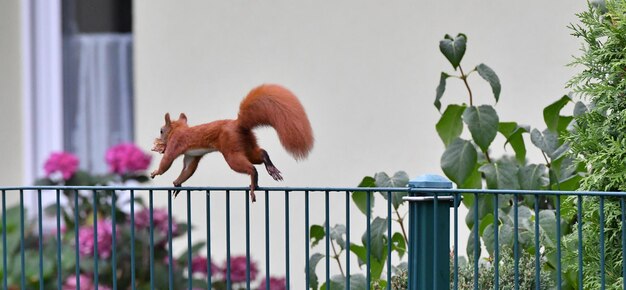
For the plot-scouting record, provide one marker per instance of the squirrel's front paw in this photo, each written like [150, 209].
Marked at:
[153, 174]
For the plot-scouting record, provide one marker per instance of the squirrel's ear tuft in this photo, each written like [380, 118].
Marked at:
[183, 117]
[167, 119]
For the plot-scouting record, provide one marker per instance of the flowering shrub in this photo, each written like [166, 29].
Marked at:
[61, 163]
[126, 158]
[126, 161]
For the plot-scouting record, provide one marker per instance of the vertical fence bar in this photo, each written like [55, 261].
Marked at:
[151, 210]
[4, 241]
[537, 233]
[247, 201]
[306, 239]
[228, 278]
[189, 272]
[623, 207]
[496, 241]
[347, 240]
[77, 241]
[170, 260]
[327, 213]
[558, 241]
[389, 197]
[456, 241]
[369, 239]
[267, 240]
[114, 238]
[23, 265]
[132, 238]
[579, 216]
[208, 239]
[516, 241]
[287, 272]
[58, 216]
[602, 252]
[96, 272]
[40, 237]
[476, 241]
[435, 236]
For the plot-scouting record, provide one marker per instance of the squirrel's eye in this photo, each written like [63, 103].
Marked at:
[161, 130]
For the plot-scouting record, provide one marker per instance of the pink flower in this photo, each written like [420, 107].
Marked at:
[275, 284]
[199, 265]
[86, 244]
[61, 162]
[125, 158]
[160, 220]
[238, 269]
[86, 283]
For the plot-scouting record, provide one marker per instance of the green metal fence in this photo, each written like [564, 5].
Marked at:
[433, 253]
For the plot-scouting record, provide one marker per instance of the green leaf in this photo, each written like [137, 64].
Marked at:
[490, 76]
[336, 234]
[547, 141]
[482, 122]
[313, 261]
[194, 249]
[316, 234]
[450, 125]
[440, 89]
[459, 160]
[551, 113]
[513, 134]
[500, 175]
[471, 245]
[453, 48]
[547, 224]
[533, 177]
[378, 231]
[474, 181]
[360, 197]
[375, 265]
[398, 244]
[338, 282]
[399, 179]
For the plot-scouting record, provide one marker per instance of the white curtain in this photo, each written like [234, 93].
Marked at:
[98, 95]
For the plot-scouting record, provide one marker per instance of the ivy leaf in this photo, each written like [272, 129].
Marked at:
[513, 134]
[399, 179]
[490, 76]
[316, 234]
[375, 265]
[482, 122]
[533, 177]
[453, 48]
[471, 246]
[551, 113]
[459, 160]
[313, 261]
[338, 282]
[360, 197]
[450, 125]
[501, 175]
[440, 89]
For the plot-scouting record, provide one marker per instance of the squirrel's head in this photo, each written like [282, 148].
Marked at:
[166, 131]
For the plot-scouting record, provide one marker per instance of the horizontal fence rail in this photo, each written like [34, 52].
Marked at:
[516, 239]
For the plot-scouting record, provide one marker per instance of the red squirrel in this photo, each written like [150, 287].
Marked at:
[266, 105]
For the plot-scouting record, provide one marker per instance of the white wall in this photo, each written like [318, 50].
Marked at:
[11, 145]
[365, 70]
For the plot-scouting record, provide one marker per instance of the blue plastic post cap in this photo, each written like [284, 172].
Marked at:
[430, 181]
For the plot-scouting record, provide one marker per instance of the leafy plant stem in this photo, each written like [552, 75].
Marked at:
[336, 257]
[464, 78]
[487, 156]
[400, 221]
[545, 157]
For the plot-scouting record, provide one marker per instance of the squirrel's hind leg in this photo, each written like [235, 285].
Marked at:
[271, 169]
[240, 163]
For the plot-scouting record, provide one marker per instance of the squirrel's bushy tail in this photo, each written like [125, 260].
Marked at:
[273, 105]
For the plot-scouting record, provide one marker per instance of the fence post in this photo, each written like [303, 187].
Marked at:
[429, 234]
